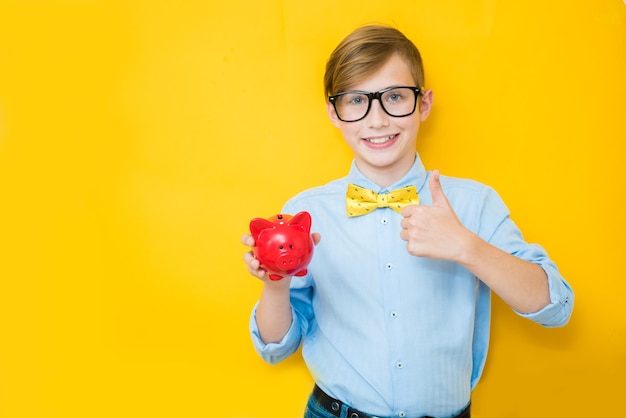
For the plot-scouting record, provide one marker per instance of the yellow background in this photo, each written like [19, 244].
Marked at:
[139, 137]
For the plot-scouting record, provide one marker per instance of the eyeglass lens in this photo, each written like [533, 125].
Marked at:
[398, 102]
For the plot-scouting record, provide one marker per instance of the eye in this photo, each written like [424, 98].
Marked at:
[398, 95]
[357, 100]
[291, 246]
[354, 99]
[280, 247]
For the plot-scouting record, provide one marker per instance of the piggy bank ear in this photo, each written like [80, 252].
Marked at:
[257, 225]
[301, 220]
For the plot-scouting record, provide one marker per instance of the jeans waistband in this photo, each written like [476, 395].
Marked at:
[333, 406]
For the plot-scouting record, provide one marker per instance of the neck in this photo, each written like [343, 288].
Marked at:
[387, 175]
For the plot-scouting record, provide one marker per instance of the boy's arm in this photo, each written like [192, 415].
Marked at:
[521, 284]
[436, 232]
[273, 312]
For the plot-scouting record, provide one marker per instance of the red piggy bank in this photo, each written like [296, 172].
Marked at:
[283, 244]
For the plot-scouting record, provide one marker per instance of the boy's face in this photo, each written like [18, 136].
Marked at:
[383, 145]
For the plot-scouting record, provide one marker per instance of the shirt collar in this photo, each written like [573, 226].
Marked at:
[416, 176]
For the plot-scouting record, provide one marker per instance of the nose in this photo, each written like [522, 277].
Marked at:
[377, 117]
[287, 260]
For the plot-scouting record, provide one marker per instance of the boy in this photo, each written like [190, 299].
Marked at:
[394, 312]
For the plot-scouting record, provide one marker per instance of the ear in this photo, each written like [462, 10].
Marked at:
[257, 225]
[302, 220]
[426, 103]
[332, 114]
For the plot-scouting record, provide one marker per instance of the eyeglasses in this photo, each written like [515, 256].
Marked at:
[352, 106]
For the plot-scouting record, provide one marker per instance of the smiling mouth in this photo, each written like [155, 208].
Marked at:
[380, 140]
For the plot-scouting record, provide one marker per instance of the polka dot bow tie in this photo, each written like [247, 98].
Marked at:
[361, 201]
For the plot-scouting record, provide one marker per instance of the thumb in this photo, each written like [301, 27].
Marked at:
[439, 198]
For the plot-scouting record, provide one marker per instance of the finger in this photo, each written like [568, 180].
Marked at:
[250, 260]
[434, 184]
[246, 239]
[253, 264]
[316, 237]
[409, 210]
[404, 235]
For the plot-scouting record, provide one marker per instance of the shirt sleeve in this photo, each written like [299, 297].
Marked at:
[501, 231]
[558, 312]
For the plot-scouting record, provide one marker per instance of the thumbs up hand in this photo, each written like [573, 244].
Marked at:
[434, 231]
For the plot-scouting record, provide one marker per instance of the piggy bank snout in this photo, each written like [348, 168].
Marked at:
[287, 260]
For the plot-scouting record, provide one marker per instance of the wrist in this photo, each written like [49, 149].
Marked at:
[276, 286]
[469, 250]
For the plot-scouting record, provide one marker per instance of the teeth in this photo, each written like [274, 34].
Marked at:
[380, 140]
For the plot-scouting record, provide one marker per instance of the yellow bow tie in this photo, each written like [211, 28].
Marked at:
[360, 201]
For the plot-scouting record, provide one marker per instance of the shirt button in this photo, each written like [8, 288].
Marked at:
[384, 221]
[389, 266]
[402, 414]
[399, 365]
[394, 314]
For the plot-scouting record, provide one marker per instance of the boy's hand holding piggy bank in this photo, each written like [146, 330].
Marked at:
[283, 244]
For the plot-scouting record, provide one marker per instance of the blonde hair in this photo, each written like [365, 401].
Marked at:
[365, 51]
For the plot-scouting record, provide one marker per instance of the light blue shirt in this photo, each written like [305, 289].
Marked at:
[389, 333]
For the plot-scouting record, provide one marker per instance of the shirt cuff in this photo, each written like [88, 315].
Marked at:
[273, 353]
[558, 312]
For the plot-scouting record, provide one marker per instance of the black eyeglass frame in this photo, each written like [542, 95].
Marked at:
[376, 95]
